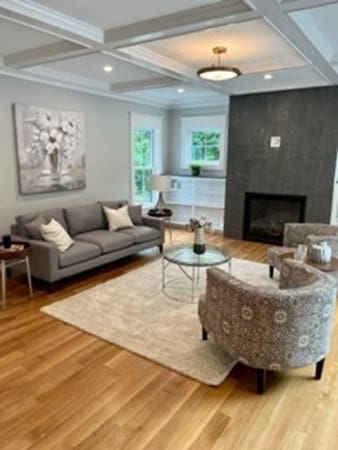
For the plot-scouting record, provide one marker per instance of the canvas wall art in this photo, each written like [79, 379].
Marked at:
[50, 149]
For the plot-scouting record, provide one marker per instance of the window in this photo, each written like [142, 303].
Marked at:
[146, 155]
[203, 141]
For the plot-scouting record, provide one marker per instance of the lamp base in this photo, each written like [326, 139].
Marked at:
[165, 212]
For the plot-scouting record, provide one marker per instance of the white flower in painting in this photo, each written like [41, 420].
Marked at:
[53, 133]
[59, 137]
[44, 137]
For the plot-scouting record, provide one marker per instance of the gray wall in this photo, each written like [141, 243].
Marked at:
[173, 163]
[307, 121]
[107, 146]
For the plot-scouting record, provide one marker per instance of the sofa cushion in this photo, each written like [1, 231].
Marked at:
[33, 228]
[55, 233]
[142, 233]
[135, 213]
[78, 252]
[81, 219]
[108, 241]
[118, 218]
[48, 215]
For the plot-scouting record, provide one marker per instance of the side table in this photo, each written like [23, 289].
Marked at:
[18, 253]
[164, 214]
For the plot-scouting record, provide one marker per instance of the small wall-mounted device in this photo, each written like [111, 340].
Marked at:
[275, 141]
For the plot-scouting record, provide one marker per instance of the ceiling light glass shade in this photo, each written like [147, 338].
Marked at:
[218, 72]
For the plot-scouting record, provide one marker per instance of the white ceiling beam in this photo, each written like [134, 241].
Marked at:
[183, 22]
[284, 25]
[47, 20]
[152, 83]
[296, 5]
[46, 54]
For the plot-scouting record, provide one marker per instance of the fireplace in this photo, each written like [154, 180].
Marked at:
[266, 214]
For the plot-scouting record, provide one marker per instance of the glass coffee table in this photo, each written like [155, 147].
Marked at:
[184, 258]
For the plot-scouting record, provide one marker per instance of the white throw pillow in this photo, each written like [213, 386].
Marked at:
[55, 233]
[118, 218]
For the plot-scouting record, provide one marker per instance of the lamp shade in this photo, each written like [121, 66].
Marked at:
[160, 183]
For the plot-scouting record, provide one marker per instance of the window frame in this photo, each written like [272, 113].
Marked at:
[154, 124]
[209, 123]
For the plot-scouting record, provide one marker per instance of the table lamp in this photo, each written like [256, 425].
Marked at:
[160, 183]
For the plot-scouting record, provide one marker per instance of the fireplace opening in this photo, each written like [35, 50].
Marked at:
[266, 214]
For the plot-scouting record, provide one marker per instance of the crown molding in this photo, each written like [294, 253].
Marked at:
[35, 76]
[30, 13]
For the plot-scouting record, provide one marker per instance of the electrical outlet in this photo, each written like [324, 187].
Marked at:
[275, 141]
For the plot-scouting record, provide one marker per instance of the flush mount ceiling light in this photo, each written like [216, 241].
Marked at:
[218, 72]
[108, 68]
[180, 90]
[268, 76]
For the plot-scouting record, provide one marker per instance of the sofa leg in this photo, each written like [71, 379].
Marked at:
[160, 247]
[319, 369]
[204, 334]
[271, 271]
[51, 287]
[261, 377]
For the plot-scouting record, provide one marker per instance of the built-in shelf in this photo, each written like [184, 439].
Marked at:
[196, 197]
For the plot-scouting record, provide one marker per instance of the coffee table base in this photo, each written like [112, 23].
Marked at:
[194, 277]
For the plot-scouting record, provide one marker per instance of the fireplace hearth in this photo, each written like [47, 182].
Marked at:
[266, 214]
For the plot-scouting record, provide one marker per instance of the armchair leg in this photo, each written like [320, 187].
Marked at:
[271, 271]
[160, 247]
[319, 369]
[204, 334]
[261, 377]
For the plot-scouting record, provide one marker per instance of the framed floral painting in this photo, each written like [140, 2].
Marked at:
[50, 149]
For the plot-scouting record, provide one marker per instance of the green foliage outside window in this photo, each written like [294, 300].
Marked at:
[142, 148]
[205, 146]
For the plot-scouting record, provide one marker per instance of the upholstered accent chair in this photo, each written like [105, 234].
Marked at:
[267, 328]
[302, 233]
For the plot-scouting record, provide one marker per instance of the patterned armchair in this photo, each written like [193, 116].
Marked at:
[302, 233]
[268, 328]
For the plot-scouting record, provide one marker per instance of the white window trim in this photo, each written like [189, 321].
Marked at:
[151, 122]
[201, 123]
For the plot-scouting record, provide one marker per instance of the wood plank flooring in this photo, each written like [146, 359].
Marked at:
[63, 389]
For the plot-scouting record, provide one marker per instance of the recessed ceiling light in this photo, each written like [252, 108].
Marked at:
[180, 90]
[268, 76]
[108, 68]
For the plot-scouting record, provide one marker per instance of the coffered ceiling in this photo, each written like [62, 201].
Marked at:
[155, 47]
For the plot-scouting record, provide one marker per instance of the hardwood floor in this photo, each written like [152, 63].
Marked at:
[62, 389]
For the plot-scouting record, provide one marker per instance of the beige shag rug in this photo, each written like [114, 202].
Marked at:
[131, 311]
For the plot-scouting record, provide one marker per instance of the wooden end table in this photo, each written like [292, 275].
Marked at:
[330, 267]
[18, 253]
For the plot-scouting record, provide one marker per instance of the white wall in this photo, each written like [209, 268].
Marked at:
[107, 146]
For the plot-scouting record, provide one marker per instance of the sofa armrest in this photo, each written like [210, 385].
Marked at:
[155, 222]
[44, 259]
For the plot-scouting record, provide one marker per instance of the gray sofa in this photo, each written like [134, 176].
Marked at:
[94, 244]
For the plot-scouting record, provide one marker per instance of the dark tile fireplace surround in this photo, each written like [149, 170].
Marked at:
[266, 214]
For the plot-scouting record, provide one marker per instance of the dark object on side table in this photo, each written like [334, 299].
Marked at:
[7, 240]
[163, 212]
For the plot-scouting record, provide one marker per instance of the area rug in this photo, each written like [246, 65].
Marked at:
[132, 312]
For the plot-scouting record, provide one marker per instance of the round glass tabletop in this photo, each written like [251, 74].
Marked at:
[184, 255]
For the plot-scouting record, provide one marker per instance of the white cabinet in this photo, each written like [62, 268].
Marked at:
[196, 197]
